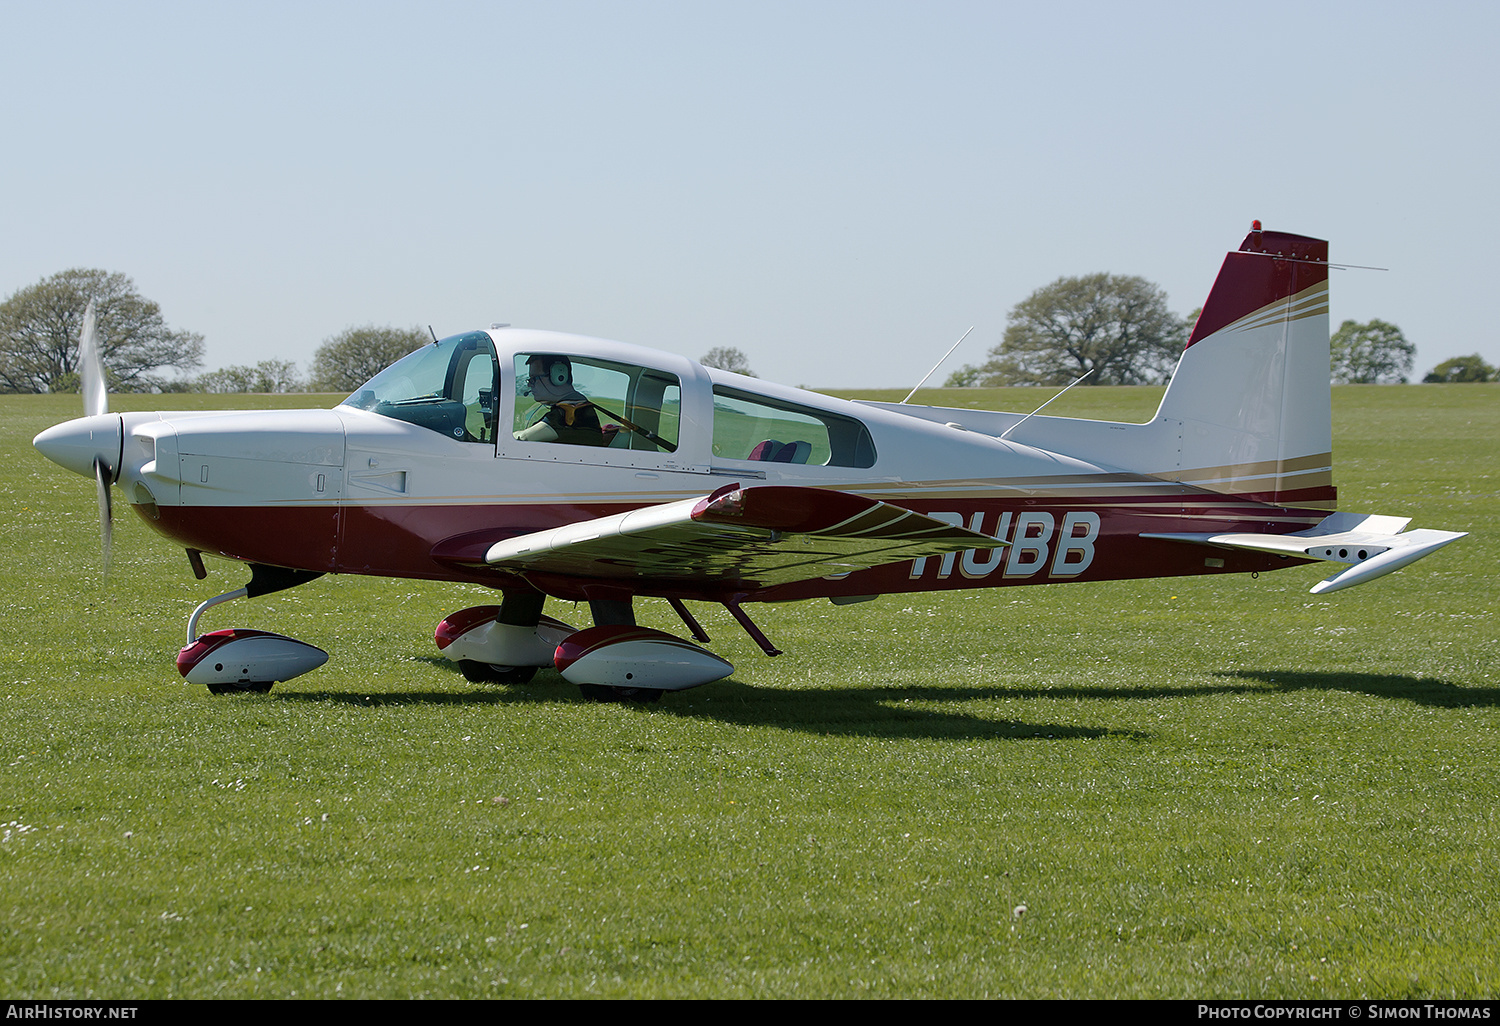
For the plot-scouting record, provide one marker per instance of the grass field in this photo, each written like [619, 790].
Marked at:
[1176, 788]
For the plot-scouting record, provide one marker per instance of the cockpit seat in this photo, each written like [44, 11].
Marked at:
[766, 451]
[772, 451]
[794, 452]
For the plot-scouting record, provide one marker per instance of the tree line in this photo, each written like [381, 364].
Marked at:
[341, 364]
[40, 324]
[1119, 331]
[1116, 329]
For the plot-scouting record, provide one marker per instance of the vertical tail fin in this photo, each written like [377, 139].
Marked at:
[1251, 390]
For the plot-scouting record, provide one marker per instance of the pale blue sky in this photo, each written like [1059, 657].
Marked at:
[838, 189]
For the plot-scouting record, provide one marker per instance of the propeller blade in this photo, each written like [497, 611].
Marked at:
[95, 389]
[102, 477]
[91, 366]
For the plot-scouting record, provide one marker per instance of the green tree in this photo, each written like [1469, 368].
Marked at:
[355, 355]
[966, 376]
[1369, 354]
[727, 358]
[1462, 368]
[266, 376]
[39, 327]
[1116, 326]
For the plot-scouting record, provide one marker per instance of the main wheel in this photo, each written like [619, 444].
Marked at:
[259, 687]
[603, 693]
[489, 673]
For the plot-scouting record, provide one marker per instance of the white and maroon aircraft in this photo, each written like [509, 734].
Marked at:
[543, 464]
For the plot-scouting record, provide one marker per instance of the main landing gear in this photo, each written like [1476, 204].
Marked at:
[489, 673]
[613, 661]
[504, 644]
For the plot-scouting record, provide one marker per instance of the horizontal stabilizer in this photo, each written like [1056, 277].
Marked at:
[1371, 545]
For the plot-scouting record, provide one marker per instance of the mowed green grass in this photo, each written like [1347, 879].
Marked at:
[1218, 787]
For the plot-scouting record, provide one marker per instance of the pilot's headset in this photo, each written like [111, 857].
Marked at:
[555, 383]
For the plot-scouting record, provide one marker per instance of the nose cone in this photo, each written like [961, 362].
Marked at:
[77, 443]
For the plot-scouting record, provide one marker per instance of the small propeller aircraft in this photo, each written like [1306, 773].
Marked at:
[550, 465]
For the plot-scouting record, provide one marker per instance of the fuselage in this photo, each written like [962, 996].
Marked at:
[427, 464]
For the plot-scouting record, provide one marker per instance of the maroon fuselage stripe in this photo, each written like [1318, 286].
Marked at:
[447, 543]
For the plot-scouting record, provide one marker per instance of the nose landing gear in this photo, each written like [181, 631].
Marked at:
[241, 658]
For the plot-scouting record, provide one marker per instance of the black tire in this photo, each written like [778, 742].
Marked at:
[602, 693]
[239, 687]
[489, 673]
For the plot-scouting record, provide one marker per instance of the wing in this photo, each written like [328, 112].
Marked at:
[1371, 546]
[740, 538]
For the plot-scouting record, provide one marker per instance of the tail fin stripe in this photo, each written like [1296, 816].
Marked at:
[1310, 302]
[1248, 282]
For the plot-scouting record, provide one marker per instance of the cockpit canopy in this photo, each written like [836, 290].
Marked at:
[592, 394]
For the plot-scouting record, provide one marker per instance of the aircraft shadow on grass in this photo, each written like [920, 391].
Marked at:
[1427, 691]
[865, 712]
[890, 712]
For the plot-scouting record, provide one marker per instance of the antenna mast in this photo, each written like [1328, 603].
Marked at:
[936, 366]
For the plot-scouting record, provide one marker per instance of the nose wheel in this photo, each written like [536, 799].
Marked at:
[257, 687]
[241, 659]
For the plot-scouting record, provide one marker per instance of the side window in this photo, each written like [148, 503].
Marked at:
[573, 400]
[759, 428]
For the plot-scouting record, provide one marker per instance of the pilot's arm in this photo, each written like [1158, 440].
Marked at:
[541, 431]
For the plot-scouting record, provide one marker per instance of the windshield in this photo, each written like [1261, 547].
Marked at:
[448, 387]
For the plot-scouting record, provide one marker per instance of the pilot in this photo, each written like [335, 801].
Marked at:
[569, 417]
